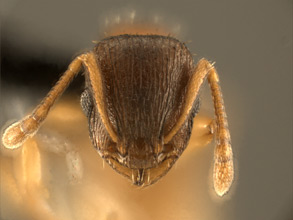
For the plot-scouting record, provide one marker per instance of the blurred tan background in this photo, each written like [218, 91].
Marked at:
[251, 42]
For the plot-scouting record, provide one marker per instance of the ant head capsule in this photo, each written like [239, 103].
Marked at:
[144, 81]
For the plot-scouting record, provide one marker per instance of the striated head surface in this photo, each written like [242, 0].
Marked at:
[144, 82]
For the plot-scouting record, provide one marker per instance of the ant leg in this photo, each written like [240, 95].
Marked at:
[17, 133]
[223, 156]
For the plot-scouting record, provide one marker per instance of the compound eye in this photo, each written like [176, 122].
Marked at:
[86, 102]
